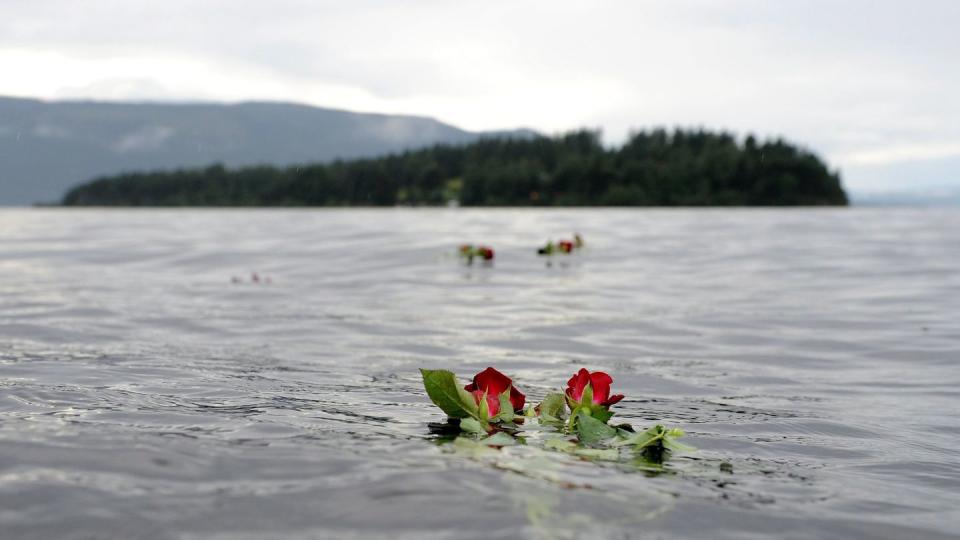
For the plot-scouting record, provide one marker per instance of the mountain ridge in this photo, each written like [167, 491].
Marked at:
[46, 147]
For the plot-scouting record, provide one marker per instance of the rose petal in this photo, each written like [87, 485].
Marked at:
[600, 382]
[612, 399]
[492, 381]
[577, 383]
[517, 399]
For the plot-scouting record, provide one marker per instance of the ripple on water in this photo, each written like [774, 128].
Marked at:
[142, 394]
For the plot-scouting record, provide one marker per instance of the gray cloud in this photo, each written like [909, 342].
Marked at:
[871, 84]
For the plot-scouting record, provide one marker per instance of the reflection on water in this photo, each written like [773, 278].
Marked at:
[810, 355]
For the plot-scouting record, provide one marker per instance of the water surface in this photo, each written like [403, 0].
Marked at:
[145, 395]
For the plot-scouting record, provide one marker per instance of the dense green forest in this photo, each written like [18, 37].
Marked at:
[652, 168]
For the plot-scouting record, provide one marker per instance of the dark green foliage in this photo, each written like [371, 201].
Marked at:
[653, 168]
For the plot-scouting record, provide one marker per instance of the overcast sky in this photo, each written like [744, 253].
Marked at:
[871, 85]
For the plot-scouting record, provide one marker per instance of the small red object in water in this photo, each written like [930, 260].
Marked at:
[492, 383]
[485, 252]
[566, 246]
[598, 381]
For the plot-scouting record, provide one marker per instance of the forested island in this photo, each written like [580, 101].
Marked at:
[652, 168]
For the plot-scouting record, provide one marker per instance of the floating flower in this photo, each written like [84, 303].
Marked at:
[589, 394]
[489, 411]
[469, 251]
[486, 253]
[562, 246]
[255, 278]
[491, 383]
[599, 384]
[488, 403]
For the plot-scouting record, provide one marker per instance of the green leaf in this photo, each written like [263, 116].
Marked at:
[674, 446]
[670, 441]
[468, 447]
[549, 420]
[506, 408]
[605, 454]
[656, 437]
[560, 444]
[593, 431]
[574, 414]
[601, 414]
[499, 439]
[448, 394]
[484, 410]
[553, 407]
[471, 425]
[586, 398]
[640, 440]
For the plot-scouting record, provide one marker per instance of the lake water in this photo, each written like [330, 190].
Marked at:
[145, 395]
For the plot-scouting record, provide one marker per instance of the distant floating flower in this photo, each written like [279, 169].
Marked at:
[469, 251]
[255, 278]
[562, 246]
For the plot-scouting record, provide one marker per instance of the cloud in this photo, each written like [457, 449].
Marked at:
[118, 88]
[861, 81]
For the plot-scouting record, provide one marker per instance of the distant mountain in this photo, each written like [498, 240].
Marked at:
[47, 147]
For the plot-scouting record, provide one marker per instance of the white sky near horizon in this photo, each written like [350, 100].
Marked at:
[871, 85]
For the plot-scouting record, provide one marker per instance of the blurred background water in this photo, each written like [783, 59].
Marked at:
[143, 394]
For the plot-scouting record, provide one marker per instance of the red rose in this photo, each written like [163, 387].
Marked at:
[485, 252]
[599, 383]
[566, 246]
[493, 383]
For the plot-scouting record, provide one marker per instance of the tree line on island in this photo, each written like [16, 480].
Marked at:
[652, 168]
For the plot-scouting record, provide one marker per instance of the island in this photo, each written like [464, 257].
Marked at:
[655, 167]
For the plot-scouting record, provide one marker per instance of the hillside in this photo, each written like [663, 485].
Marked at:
[47, 147]
[655, 168]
